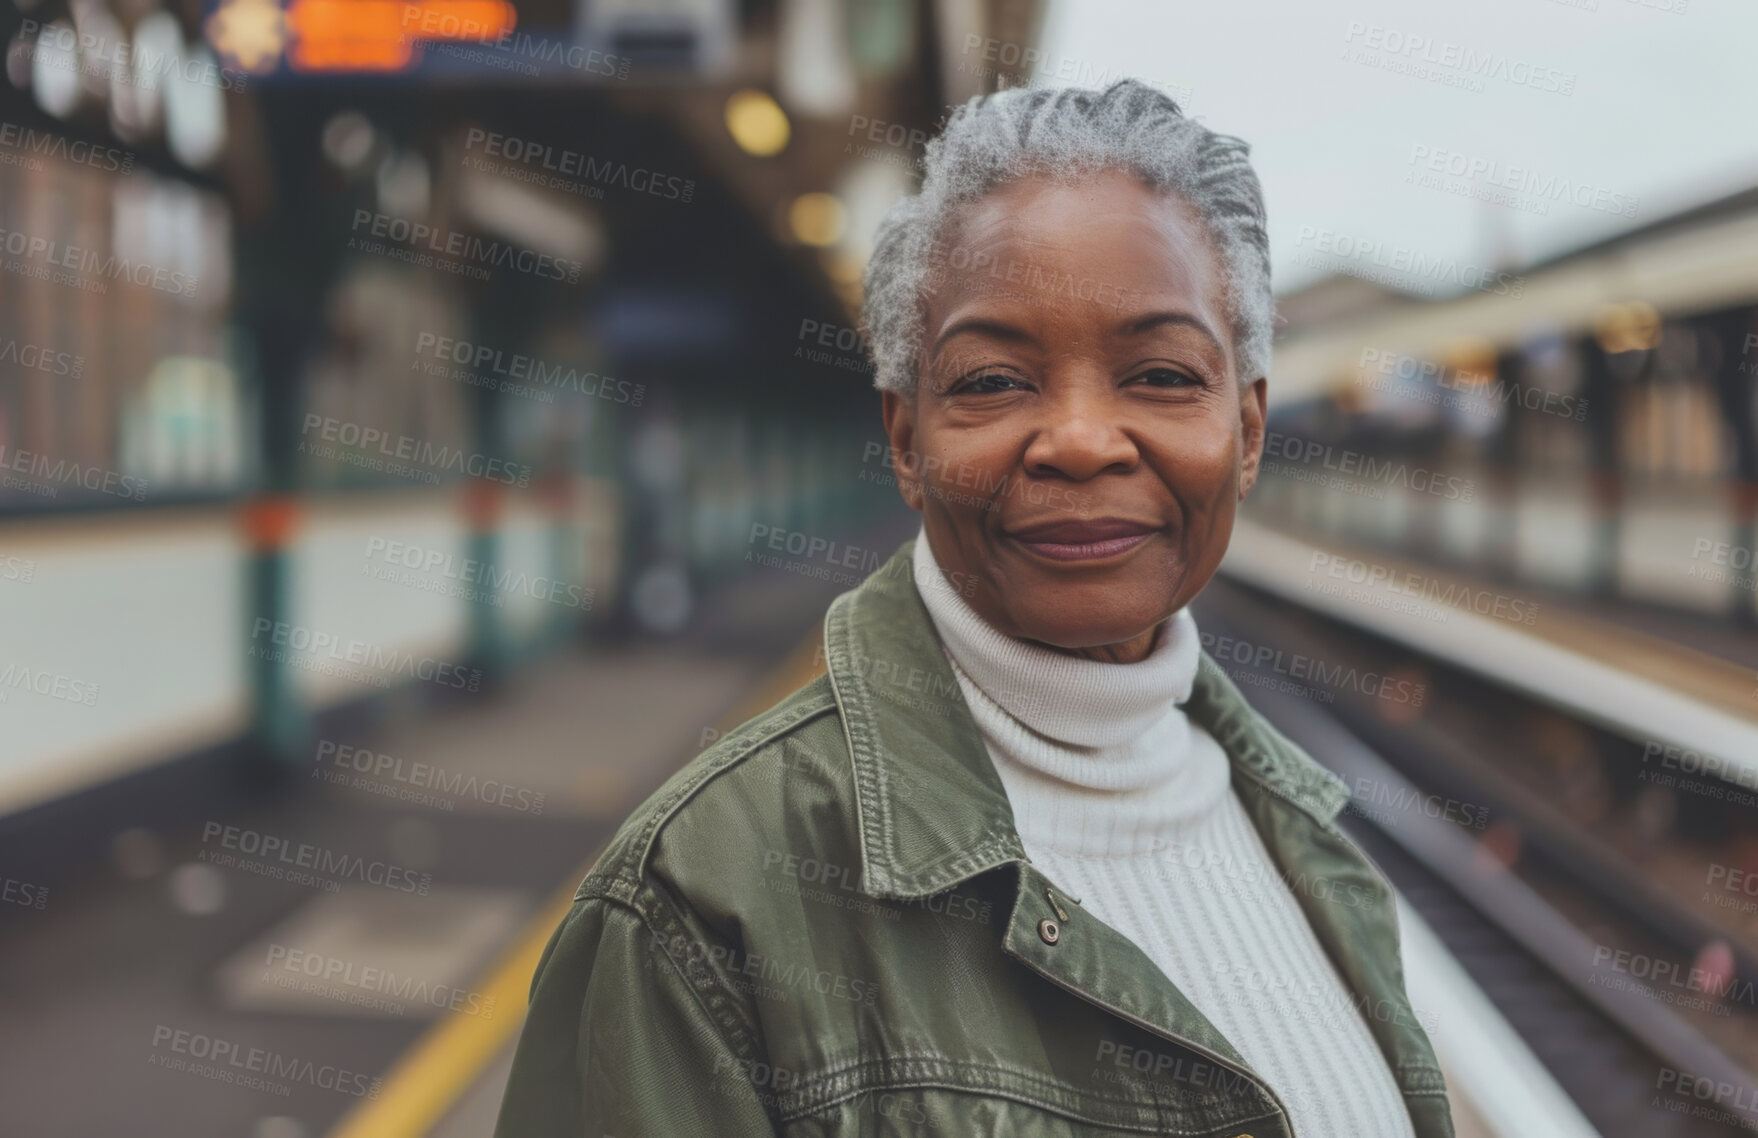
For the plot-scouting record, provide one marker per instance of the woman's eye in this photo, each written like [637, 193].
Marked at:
[992, 381]
[1166, 377]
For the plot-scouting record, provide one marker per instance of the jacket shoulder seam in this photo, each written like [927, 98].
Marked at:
[622, 879]
[734, 1024]
[666, 929]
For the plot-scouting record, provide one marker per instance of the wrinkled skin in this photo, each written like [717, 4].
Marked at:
[1077, 394]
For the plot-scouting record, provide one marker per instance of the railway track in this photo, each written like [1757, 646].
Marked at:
[1580, 892]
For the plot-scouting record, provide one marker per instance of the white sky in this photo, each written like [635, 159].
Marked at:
[1664, 108]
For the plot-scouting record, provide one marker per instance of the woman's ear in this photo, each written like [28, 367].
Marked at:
[899, 412]
[1252, 404]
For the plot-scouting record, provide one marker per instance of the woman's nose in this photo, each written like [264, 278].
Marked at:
[1079, 439]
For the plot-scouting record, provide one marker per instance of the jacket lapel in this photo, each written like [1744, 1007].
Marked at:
[932, 812]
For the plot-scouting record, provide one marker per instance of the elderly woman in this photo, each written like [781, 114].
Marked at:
[1023, 862]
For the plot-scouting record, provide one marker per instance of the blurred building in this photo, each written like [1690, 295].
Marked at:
[1601, 404]
[552, 292]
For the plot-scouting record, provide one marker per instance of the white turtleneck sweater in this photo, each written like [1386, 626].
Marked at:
[1128, 806]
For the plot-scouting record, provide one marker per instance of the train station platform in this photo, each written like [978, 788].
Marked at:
[1673, 679]
[352, 955]
[212, 977]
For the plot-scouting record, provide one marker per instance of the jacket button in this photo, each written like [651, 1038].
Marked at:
[1049, 931]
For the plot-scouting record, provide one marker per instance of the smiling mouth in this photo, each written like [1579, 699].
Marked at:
[1084, 541]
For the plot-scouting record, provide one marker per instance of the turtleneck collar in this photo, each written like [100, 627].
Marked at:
[1070, 699]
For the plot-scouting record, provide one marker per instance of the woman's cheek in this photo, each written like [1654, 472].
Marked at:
[967, 470]
[1205, 471]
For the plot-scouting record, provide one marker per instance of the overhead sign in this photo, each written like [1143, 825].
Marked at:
[349, 35]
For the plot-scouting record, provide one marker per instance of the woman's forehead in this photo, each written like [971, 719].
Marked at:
[1110, 244]
[1108, 234]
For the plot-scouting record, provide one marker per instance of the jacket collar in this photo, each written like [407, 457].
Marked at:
[931, 809]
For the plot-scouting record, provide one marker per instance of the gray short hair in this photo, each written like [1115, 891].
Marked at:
[1000, 138]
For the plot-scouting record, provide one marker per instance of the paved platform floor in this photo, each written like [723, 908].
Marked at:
[203, 987]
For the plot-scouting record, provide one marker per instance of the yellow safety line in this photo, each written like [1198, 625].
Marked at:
[448, 1060]
[433, 1075]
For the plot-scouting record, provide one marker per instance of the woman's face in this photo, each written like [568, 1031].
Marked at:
[1078, 439]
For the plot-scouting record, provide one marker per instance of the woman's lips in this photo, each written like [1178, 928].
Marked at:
[1090, 541]
[1085, 550]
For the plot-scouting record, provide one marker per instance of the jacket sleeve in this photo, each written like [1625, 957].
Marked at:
[617, 1045]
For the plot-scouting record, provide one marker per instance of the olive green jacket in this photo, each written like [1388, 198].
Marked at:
[825, 924]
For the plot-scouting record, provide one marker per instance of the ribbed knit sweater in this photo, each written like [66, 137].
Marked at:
[1128, 806]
